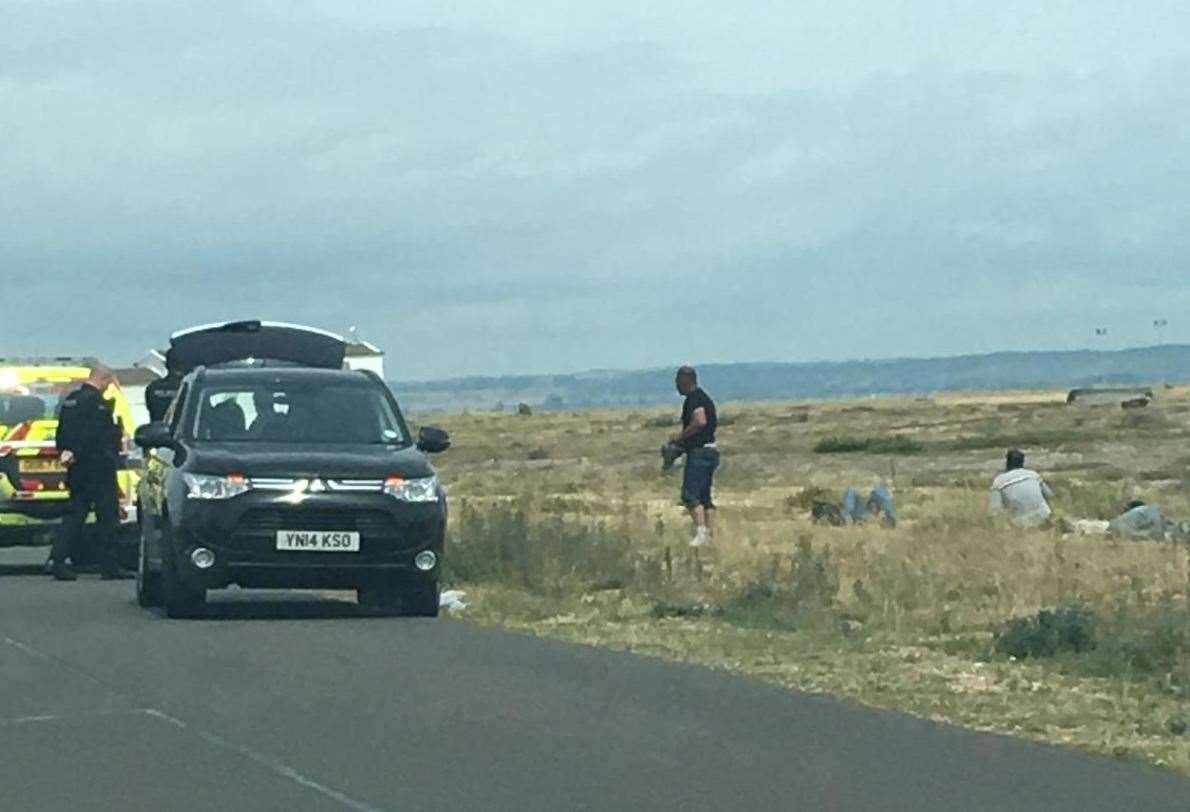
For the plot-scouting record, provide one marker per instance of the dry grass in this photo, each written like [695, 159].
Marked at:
[563, 526]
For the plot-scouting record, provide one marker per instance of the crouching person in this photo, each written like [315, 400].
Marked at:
[697, 440]
[1021, 494]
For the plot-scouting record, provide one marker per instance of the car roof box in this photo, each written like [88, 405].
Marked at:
[226, 342]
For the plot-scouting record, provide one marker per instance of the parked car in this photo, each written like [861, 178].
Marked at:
[33, 492]
[276, 468]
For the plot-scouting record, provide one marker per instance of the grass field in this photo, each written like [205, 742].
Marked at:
[563, 526]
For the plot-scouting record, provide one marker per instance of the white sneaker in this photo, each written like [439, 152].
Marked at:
[701, 538]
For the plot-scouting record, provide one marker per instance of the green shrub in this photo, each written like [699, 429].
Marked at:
[1029, 440]
[1155, 642]
[667, 609]
[1049, 632]
[805, 498]
[1090, 499]
[894, 444]
[809, 592]
[502, 544]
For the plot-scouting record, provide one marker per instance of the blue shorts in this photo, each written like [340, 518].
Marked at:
[698, 477]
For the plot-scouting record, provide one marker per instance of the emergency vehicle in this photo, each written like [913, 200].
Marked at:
[33, 491]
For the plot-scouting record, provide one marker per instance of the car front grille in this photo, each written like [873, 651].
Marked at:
[367, 522]
[257, 531]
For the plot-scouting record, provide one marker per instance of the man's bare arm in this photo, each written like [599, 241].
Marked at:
[698, 421]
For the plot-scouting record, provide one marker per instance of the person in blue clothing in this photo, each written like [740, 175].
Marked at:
[879, 505]
[854, 509]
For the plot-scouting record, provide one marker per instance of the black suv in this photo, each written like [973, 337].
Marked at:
[271, 474]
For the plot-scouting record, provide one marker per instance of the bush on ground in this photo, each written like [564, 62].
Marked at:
[1150, 643]
[804, 499]
[1039, 439]
[810, 590]
[504, 544]
[893, 444]
[1049, 632]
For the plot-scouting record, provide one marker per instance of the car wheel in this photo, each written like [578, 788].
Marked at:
[148, 583]
[180, 600]
[420, 599]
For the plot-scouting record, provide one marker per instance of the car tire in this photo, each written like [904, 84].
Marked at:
[180, 600]
[420, 599]
[148, 583]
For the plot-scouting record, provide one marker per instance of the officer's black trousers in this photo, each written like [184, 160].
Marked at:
[90, 491]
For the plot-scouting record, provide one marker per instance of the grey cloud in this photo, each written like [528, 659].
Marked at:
[539, 200]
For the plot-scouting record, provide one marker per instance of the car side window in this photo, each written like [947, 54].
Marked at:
[174, 415]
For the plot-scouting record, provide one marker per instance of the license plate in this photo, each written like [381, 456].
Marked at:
[318, 541]
[41, 467]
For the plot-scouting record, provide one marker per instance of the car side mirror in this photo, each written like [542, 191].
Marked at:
[432, 440]
[153, 435]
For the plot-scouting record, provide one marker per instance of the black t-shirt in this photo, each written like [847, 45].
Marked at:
[699, 399]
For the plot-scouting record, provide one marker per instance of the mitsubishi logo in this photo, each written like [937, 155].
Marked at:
[301, 487]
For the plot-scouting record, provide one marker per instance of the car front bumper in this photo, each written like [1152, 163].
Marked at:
[242, 534]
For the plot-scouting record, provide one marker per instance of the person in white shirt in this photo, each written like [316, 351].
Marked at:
[1021, 493]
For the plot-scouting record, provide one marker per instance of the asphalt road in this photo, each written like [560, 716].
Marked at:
[290, 702]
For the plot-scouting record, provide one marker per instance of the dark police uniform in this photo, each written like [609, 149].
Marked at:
[160, 394]
[88, 429]
[702, 456]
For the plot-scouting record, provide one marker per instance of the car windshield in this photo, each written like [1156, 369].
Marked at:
[298, 412]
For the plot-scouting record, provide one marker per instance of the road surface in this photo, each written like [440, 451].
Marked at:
[300, 703]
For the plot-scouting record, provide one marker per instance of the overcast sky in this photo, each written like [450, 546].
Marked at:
[536, 187]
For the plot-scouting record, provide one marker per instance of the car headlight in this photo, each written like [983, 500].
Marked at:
[206, 486]
[422, 489]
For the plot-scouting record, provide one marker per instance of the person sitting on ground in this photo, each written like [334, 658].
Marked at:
[1139, 521]
[1021, 493]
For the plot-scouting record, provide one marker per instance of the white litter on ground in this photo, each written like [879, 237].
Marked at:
[452, 599]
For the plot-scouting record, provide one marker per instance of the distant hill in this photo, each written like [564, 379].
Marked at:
[791, 381]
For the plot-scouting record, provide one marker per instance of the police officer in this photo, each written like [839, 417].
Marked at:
[160, 393]
[89, 442]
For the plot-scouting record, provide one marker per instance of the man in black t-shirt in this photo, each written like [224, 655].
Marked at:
[697, 440]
